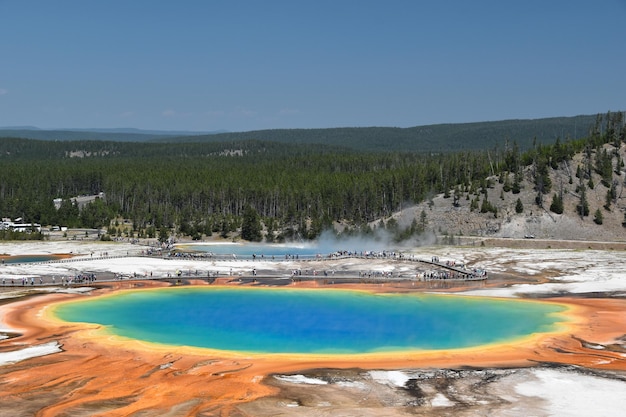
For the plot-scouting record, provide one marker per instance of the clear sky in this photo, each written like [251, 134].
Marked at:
[245, 65]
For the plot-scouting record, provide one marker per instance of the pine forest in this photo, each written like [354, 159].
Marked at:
[286, 190]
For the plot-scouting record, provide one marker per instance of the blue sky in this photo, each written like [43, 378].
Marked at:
[246, 65]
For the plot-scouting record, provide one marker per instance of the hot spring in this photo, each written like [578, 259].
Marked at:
[249, 249]
[279, 320]
[280, 251]
[19, 259]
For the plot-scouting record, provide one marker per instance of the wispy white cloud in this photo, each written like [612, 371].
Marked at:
[215, 113]
[178, 115]
[3, 91]
[246, 112]
[288, 111]
[54, 110]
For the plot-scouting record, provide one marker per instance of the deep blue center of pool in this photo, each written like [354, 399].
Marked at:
[311, 321]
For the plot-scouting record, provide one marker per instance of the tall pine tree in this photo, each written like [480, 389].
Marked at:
[251, 225]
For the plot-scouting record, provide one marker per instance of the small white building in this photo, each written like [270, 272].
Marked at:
[18, 226]
[4, 225]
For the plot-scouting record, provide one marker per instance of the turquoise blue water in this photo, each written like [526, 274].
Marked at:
[249, 249]
[18, 259]
[281, 250]
[311, 321]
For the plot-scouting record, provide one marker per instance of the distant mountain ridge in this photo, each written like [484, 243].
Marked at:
[428, 138]
[134, 130]
[101, 134]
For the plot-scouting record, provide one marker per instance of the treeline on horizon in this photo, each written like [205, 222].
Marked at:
[294, 191]
[428, 138]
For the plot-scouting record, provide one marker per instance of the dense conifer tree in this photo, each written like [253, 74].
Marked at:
[598, 218]
[557, 204]
[251, 225]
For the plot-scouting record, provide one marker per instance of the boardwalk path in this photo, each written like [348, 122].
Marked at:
[311, 268]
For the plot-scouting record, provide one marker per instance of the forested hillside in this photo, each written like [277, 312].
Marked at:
[433, 138]
[269, 190]
[429, 138]
[210, 188]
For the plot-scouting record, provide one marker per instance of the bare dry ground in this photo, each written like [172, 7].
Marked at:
[445, 219]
